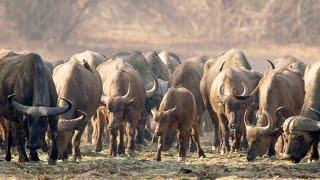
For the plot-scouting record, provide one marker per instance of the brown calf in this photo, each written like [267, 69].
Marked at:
[177, 112]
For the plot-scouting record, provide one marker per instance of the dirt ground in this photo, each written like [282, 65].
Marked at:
[102, 166]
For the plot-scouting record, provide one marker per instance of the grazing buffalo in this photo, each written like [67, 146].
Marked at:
[28, 102]
[82, 85]
[177, 112]
[290, 62]
[278, 87]
[232, 58]
[229, 98]
[171, 60]
[301, 132]
[124, 95]
[94, 59]
[158, 68]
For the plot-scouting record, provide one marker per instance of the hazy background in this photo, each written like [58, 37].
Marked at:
[262, 28]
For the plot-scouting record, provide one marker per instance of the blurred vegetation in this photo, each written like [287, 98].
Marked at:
[216, 21]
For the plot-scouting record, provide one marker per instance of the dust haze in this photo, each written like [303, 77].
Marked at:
[263, 29]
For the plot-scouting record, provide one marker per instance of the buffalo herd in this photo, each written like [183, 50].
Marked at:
[133, 97]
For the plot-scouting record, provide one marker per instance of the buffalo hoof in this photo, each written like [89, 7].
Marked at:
[52, 162]
[131, 153]
[111, 153]
[23, 158]
[76, 159]
[201, 154]
[8, 157]
[98, 149]
[157, 158]
[121, 151]
[182, 158]
[34, 158]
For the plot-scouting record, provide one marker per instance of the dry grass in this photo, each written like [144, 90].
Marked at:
[101, 166]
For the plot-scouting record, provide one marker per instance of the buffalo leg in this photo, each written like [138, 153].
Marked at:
[216, 129]
[195, 137]
[88, 133]
[113, 142]
[161, 141]
[169, 139]
[99, 128]
[8, 145]
[314, 153]
[76, 139]
[131, 138]
[121, 147]
[224, 130]
[193, 145]
[34, 155]
[53, 154]
[20, 138]
[271, 149]
[184, 137]
[244, 143]
[236, 141]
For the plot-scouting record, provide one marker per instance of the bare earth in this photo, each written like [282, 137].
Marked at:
[101, 166]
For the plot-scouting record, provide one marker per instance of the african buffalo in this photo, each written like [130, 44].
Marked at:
[158, 68]
[177, 112]
[232, 58]
[28, 102]
[229, 98]
[278, 87]
[94, 59]
[301, 132]
[82, 85]
[188, 75]
[124, 95]
[171, 60]
[290, 62]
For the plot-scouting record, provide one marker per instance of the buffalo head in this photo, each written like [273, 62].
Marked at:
[233, 106]
[259, 138]
[36, 119]
[299, 133]
[162, 120]
[117, 107]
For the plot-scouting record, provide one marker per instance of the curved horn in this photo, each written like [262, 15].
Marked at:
[72, 124]
[268, 128]
[221, 67]
[170, 110]
[271, 63]
[39, 110]
[245, 89]
[246, 119]
[315, 111]
[154, 89]
[126, 97]
[279, 115]
[244, 94]
[220, 93]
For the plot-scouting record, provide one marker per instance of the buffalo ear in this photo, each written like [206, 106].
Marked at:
[276, 132]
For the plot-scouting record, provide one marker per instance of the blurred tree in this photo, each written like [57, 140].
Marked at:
[46, 19]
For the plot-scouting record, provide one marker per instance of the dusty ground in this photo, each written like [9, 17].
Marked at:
[101, 166]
